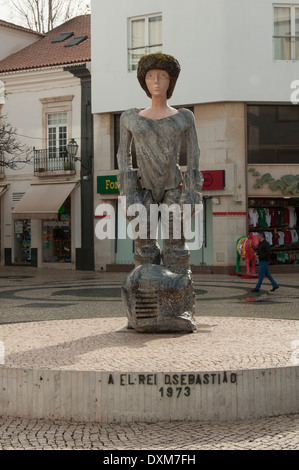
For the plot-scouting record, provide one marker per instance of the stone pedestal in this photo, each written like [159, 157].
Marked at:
[158, 301]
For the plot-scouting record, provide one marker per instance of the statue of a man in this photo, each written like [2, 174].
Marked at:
[157, 132]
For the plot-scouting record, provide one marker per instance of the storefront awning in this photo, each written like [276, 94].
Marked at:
[43, 201]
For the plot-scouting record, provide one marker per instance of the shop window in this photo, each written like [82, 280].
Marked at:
[272, 134]
[57, 239]
[278, 218]
[22, 241]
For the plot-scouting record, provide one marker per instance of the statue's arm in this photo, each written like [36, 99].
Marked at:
[193, 150]
[127, 179]
[193, 178]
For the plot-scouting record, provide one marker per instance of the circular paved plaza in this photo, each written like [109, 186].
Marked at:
[69, 320]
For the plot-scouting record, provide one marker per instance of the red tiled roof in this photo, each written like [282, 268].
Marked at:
[43, 53]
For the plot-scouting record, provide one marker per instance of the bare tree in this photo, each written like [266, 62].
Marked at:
[12, 152]
[44, 15]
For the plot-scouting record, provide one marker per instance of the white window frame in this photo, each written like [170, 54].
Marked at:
[58, 147]
[56, 105]
[147, 46]
[293, 36]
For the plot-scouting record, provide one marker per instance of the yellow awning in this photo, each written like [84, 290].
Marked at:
[42, 201]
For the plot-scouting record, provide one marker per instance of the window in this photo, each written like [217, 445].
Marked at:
[286, 33]
[273, 136]
[57, 133]
[145, 37]
[76, 41]
[62, 37]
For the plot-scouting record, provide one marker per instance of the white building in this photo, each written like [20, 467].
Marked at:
[240, 72]
[14, 38]
[47, 101]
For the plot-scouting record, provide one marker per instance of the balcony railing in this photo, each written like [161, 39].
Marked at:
[49, 160]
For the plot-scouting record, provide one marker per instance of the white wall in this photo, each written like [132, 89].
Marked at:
[23, 107]
[13, 40]
[224, 47]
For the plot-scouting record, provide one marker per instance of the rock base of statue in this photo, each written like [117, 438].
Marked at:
[158, 300]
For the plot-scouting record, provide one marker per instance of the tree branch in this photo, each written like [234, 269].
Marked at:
[12, 152]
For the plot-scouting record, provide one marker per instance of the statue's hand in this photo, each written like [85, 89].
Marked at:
[191, 191]
[193, 180]
[133, 200]
[192, 198]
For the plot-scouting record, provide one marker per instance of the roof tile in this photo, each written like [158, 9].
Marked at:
[44, 53]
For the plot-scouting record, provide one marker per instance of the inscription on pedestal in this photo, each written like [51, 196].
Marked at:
[174, 385]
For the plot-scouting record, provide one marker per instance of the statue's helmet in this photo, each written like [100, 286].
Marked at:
[161, 62]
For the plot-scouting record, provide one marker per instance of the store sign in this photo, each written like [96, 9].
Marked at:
[214, 179]
[107, 185]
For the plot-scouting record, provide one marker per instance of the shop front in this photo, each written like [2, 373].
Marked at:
[273, 179]
[278, 219]
[120, 251]
[43, 226]
[57, 236]
[22, 241]
[124, 246]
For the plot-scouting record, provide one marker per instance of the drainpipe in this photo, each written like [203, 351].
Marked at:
[85, 254]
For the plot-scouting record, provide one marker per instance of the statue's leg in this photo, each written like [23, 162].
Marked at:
[147, 250]
[160, 298]
[175, 254]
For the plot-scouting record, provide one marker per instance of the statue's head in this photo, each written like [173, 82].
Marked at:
[158, 61]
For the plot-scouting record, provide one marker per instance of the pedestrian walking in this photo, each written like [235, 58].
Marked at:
[263, 251]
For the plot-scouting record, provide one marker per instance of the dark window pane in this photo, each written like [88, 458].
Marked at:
[76, 41]
[63, 37]
[273, 134]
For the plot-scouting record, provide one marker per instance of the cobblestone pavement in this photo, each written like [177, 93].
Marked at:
[30, 295]
[280, 433]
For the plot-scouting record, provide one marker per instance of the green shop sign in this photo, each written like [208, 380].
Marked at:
[107, 184]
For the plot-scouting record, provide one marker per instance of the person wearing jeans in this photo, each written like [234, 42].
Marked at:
[263, 252]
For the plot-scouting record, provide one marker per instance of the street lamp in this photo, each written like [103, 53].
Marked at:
[72, 148]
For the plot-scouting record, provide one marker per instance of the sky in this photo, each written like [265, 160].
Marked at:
[7, 15]
[4, 11]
